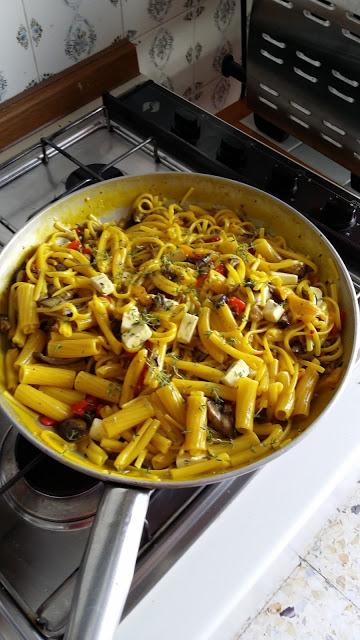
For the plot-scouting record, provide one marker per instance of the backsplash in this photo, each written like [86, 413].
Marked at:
[180, 43]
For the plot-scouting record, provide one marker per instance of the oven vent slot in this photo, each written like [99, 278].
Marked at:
[354, 17]
[268, 102]
[334, 127]
[343, 96]
[303, 56]
[325, 22]
[269, 89]
[285, 3]
[325, 4]
[299, 107]
[273, 41]
[266, 54]
[351, 35]
[298, 121]
[305, 75]
[331, 140]
[340, 76]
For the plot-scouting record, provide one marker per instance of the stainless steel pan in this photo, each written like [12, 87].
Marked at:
[108, 565]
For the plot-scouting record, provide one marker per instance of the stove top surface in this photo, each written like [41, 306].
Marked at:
[42, 537]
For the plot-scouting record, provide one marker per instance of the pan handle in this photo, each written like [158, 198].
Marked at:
[108, 565]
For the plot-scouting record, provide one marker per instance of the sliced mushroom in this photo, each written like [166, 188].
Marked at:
[4, 324]
[221, 418]
[275, 294]
[255, 313]
[284, 321]
[72, 429]
[53, 302]
[55, 361]
[298, 268]
[297, 346]
[219, 300]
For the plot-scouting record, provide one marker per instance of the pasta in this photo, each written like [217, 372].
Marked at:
[180, 343]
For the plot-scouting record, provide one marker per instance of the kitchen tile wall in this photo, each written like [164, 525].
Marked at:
[180, 43]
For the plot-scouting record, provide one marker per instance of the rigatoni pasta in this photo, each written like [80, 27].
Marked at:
[182, 342]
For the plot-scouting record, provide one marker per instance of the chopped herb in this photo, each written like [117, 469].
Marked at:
[242, 250]
[149, 318]
[249, 283]
[216, 398]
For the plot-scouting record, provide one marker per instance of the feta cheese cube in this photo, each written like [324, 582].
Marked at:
[102, 283]
[261, 297]
[134, 332]
[187, 328]
[272, 311]
[130, 318]
[286, 278]
[238, 369]
[97, 431]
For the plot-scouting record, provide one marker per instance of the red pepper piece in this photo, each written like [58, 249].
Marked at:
[79, 408]
[46, 421]
[236, 304]
[86, 250]
[221, 269]
[75, 244]
[200, 281]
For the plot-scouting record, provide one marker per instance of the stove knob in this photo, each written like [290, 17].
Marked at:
[339, 214]
[283, 183]
[186, 125]
[232, 153]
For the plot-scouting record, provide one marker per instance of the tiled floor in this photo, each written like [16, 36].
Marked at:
[320, 599]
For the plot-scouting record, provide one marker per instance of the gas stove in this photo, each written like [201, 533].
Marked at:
[47, 512]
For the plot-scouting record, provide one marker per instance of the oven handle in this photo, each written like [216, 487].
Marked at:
[108, 565]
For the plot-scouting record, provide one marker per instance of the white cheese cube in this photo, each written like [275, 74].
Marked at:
[261, 297]
[134, 332]
[97, 431]
[272, 311]
[237, 370]
[187, 328]
[165, 303]
[317, 293]
[102, 283]
[286, 278]
[130, 318]
[135, 338]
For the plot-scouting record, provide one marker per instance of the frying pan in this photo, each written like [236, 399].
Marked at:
[108, 564]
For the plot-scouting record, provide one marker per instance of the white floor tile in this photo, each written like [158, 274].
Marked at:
[306, 607]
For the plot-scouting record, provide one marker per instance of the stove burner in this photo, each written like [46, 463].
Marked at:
[51, 495]
[49, 477]
[79, 175]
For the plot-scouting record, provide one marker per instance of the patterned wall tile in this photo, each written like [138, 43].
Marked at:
[217, 32]
[218, 94]
[17, 66]
[143, 15]
[166, 55]
[67, 31]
